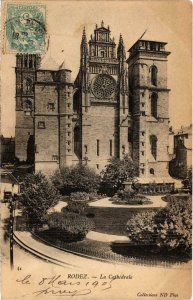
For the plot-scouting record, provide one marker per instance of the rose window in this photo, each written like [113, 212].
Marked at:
[103, 86]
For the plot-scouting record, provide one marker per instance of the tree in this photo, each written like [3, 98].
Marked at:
[174, 225]
[37, 197]
[79, 178]
[169, 228]
[116, 172]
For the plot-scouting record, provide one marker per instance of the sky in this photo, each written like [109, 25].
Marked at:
[168, 21]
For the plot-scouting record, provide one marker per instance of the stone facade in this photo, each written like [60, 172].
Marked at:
[182, 156]
[102, 99]
[149, 109]
[26, 65]
[114, 107]
[53, 119]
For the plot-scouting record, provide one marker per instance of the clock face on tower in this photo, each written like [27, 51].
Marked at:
[103, 86]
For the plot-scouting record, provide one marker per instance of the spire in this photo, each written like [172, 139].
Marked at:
[121, 48]
[84, 39]
[83, 48]
[102, 24]
[121, 39]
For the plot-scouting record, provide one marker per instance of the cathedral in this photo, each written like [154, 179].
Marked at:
[115, 106]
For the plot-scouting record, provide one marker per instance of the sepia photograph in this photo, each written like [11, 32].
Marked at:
[96, 149]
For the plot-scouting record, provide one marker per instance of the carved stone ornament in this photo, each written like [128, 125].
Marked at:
[103, 86]
[104, 69]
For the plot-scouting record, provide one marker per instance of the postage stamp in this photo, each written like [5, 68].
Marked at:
[25, 28]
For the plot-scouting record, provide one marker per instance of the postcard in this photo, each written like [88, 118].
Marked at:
[96, 150]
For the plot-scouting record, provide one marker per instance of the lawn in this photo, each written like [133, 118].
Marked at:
[123, 254]
[112, 220]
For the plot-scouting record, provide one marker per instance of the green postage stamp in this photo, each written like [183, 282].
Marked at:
[25, 28]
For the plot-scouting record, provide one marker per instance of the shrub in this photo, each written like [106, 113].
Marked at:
[95, 196]
[116, 199]
[139, 200]
[126, 194]
[37, 197]
[169, 229]
[79, 196]
[174, 225]
[141, 228]
[83, 196]
[178, 197]
[79, 178]
[69, 226]
[116, 173]
[77, 207]
[132, 198]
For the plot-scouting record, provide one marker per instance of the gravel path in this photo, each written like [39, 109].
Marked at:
[105, 202]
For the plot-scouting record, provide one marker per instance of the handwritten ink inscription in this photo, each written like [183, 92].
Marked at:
[71, 284]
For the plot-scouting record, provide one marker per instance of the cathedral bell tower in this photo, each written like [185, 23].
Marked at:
[101, 100]
[26, 65]
[149, 108]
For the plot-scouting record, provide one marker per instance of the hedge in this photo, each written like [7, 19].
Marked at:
[69, 226]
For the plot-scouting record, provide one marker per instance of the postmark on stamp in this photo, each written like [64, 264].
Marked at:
[25, 28]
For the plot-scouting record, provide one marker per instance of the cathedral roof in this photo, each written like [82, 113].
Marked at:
[64, 66]
[48, 63]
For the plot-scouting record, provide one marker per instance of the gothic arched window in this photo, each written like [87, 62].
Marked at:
[76, 100]
[153, 144]
[28, 105]
[29, 85]
[154, 98]
[153, 75]
[77, 143]
[28, 108]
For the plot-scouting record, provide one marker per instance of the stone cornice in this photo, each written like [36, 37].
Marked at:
[145, 54]
[57, 83]
[151, 88]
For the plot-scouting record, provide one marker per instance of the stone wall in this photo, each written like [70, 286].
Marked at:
[24, 128]
[46, 123]
[100, 124]
[145, 124]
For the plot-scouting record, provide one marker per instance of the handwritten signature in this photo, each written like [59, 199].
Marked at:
[57, 286]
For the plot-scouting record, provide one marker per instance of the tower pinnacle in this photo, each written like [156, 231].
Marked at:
[121, 48]
[83, 47]
[84, 40]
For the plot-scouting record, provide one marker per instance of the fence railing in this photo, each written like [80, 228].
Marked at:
[78, 249]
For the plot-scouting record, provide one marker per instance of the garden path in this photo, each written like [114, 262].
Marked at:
[103, 237]
[58, 207]
[93, 235]
[105, 202]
